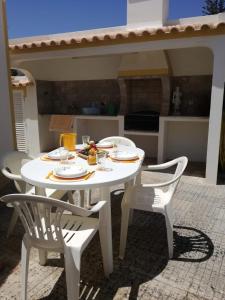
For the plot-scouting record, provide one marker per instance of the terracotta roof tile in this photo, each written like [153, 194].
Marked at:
[121, 35]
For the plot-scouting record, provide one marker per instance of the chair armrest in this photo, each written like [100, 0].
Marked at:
[79, 211]
[97, 207]
[161, 184]
[11, 176]
[159, 167]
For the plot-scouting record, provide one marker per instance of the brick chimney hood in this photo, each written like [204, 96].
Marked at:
[151, 13]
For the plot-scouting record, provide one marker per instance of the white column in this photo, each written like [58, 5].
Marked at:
[6, 128]
[161, 141]
[31, 117]
[215, 115]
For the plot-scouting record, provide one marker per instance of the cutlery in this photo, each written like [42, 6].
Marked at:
[49, 174]
[89, 175]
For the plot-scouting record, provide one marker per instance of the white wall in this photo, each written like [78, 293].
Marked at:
[31, 120]
[6, 129]
[47, 138]
[187, 138]
[184, 62]
[198, 20]
[191, 61]
[74, 68]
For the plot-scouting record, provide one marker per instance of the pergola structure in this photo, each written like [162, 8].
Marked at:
[208, 32]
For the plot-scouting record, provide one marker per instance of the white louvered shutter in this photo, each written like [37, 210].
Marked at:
[18, 102]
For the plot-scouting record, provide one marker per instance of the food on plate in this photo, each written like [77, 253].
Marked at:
[90, 149]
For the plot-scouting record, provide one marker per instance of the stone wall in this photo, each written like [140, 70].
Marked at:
[196, 94]
[144, 94]
[69, 97]
[125, 95]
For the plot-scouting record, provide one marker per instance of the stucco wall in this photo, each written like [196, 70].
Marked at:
[74, 68]
[191, 61]
[187, 138]
[184, 62]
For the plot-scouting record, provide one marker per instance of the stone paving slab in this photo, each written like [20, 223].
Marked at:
[197, 270]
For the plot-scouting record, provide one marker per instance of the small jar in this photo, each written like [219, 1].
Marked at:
[91, 159]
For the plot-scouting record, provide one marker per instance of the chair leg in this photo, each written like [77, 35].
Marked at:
[169, 229]
[12, 223]
[70, 197]
[124, 228]
[131, 216]
[126, 217]
[88, 199]
[43, 254]
[72, 267]
[25, 253]
[128, 187]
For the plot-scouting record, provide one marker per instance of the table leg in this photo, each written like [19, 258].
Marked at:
[105, 231]
[128, 186]
[126, 217]
[82, 198]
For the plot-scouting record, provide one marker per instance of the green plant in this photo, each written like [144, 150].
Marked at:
[212, 7]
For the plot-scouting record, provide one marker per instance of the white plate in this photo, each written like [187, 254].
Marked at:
[70, 171]
[124, 155]
[105, 145]
[58, 154]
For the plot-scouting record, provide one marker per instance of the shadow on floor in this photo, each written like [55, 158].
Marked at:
[146, 256]
[191, 245]
[9, 248]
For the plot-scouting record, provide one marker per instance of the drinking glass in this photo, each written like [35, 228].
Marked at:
[64, 155]
[101, 160]
[85, 140]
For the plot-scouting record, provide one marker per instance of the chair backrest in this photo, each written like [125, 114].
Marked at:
[181, 163]
[42, 226]
[119, 140]
[12, 162]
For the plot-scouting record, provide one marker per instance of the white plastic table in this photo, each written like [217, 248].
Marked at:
[35, 171]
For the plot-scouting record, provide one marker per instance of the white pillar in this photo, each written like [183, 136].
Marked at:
[215, 115]
[32, 121]
[6, 128]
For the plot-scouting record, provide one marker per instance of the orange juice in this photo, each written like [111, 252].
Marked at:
[68, 140]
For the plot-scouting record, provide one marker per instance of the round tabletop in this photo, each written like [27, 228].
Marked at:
[35, 172]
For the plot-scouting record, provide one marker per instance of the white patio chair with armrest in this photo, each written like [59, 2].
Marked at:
[156, 197]
[119, 140]
[48, 228]
[12, 163]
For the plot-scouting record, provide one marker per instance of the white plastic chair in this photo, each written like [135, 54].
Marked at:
[47, 228]
[119, 140]
[12, 163]
[154, 197]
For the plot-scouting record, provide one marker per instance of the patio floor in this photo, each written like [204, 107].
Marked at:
[197, 270]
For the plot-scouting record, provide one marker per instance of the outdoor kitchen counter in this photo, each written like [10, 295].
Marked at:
[179, 135]
[98, 126]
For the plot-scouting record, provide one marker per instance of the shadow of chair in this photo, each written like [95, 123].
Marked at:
[193, 246]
